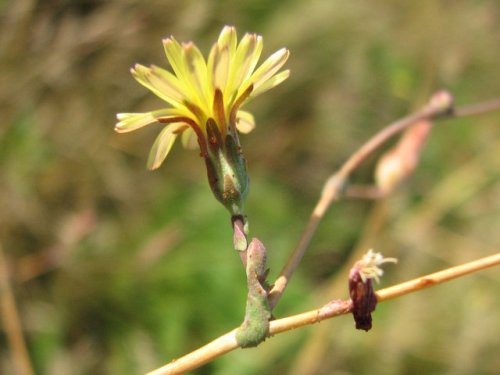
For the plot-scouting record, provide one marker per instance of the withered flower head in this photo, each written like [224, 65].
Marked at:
[361, 289]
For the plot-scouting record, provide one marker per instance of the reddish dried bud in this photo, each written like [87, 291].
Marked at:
[363, 299]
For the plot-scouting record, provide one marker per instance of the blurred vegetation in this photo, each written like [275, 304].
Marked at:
[117, 270]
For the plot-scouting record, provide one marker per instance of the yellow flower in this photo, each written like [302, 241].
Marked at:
[205, 97]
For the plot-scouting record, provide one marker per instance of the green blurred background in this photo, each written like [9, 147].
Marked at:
[117, 270]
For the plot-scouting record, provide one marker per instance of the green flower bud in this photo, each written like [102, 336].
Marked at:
[226, 169]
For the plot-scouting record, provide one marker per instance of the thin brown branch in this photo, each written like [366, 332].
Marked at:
[12, 323]
[373, 144]
[439, 107]
[294, 260]
[477, 109]
[227, 342]
[364, 192]
[438, 277]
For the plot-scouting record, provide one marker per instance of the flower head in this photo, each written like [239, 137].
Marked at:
[369, 265]
[364, 300]
[205, 96]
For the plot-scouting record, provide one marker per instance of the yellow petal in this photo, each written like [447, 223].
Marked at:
[270, 83]
[128, 122]
[245, 122]
[169, 83]
[267, 69]
[179, 58]
[198, 73]
[219, 60]
[174, 53]
[244, 61]
[228, 38]
[220, 68]
[189, 139]
[156, 81]
[163, 144]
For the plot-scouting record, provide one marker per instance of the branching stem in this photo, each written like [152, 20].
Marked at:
[437, 108]
[228, 342]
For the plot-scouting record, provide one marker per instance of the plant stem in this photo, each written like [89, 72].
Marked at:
[477, 109]
[12, 323]
[332, 191]
[438, 277]
[437, 108]
[294, 260]
[365, 192]
[228, 342]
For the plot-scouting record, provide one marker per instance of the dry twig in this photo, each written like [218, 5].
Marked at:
[439, 107]
[12, 323]
[228, 342]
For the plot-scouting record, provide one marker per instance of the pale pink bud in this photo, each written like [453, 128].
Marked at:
[402, 160]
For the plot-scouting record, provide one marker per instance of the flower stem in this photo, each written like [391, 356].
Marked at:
[255, 326]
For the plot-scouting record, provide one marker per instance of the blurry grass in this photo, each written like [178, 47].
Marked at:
[118, 269]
